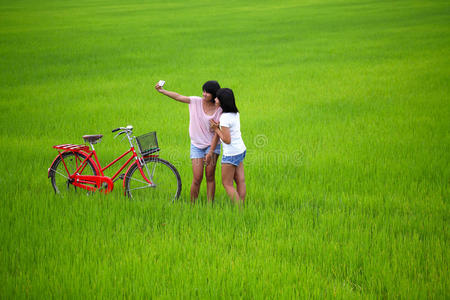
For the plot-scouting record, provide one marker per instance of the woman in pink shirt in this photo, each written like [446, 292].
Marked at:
[205, 147]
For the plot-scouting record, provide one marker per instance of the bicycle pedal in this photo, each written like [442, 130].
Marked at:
[121, 177]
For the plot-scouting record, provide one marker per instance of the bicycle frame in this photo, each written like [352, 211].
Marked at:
[100, 181]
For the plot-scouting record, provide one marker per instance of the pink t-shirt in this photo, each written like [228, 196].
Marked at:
[199, 129]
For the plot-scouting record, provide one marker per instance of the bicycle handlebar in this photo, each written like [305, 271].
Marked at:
[122, 132]
[128, 128]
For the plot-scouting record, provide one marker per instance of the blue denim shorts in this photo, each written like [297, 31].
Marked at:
[201, 153]
[235, 159]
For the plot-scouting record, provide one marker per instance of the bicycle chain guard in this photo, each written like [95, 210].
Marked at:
[93, 183]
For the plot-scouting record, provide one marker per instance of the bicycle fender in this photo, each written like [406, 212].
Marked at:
[51, 166]
[126, 174]
[54, 160]
[128, 170]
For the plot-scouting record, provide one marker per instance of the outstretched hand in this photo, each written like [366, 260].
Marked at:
[158, 87]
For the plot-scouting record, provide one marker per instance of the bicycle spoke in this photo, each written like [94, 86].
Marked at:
[139, 180]
[164, 177]
[143, 187]
[59, 173]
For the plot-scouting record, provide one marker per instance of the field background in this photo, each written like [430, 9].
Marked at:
[344, 110]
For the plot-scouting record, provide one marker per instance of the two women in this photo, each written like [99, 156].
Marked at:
[204, 130]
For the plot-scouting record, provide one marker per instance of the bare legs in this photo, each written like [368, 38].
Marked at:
[210, 172]
[230, 174]
[198, 168]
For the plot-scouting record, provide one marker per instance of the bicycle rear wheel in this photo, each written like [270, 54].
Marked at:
[59, 176]
[166, 181]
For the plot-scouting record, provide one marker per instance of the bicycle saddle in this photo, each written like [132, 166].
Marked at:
[92, 139]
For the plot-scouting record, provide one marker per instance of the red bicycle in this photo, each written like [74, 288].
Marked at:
[77, 167]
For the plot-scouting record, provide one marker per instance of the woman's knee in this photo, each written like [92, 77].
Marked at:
[197, 171]
[210, 176]
[240, 182]
[227, 182]
[197, 179]
[229, 189]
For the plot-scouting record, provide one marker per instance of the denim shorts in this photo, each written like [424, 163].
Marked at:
[234, 160]
[201, 153]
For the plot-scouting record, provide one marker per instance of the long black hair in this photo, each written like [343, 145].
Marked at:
[211, 87]
[226, 98]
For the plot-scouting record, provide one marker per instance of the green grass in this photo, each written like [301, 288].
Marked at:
[344, 111]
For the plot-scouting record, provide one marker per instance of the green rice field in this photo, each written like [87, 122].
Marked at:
[345, 112]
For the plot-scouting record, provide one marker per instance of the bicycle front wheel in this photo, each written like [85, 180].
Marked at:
[61, 169]
[166, 181]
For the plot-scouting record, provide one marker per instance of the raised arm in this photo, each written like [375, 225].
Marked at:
[173, 95]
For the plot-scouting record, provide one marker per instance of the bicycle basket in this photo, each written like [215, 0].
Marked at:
[147, 143]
